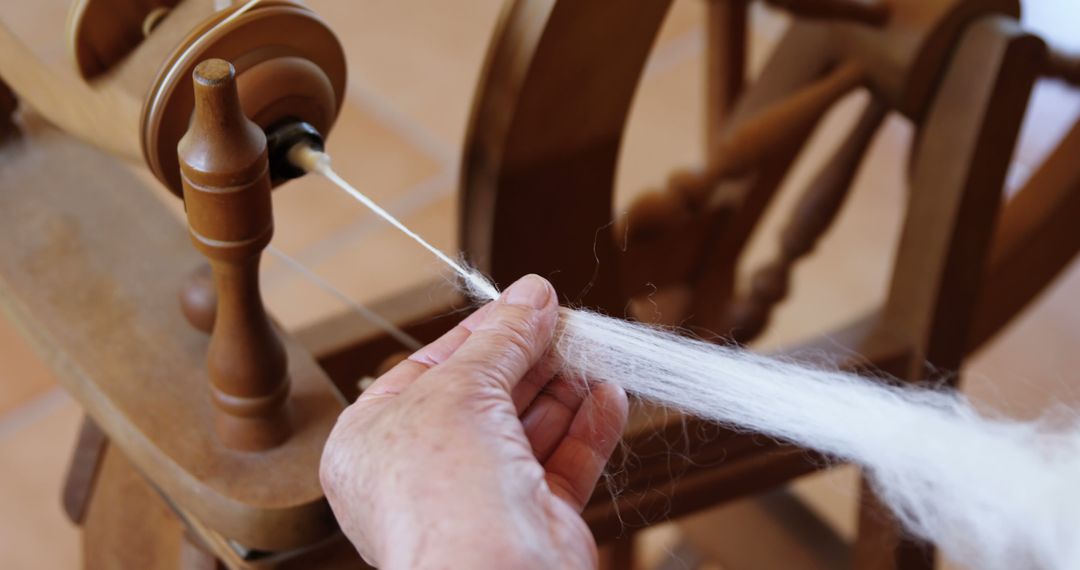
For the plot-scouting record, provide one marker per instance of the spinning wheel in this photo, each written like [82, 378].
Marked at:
[689, 235]
[544, 145]
[202, 420]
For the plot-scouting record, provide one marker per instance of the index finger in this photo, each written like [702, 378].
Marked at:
[405, 372]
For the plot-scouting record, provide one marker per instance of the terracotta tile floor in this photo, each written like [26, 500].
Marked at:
[413, 67]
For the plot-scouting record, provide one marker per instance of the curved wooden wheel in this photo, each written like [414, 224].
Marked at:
[542, 151]
[540, 157]
[549, 119]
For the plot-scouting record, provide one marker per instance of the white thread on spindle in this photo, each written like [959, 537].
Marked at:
[991, 493]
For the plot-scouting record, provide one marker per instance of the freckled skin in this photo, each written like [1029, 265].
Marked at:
[471, 453]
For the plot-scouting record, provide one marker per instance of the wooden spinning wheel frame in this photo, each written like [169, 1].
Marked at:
[549, 119]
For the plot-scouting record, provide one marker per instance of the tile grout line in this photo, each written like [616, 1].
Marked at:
[29, 412]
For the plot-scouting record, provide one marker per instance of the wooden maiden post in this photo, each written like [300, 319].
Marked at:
[226, 181]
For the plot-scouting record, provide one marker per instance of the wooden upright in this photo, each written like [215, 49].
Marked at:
[223, 162]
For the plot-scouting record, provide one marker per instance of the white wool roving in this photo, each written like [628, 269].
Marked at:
[993, 494]
[990, 493]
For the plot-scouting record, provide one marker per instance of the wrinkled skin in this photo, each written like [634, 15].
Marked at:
[470, 454]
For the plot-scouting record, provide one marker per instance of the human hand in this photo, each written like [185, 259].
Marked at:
[472, 453]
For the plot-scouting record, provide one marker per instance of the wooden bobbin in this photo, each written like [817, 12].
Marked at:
[289, 68]
[225, 173]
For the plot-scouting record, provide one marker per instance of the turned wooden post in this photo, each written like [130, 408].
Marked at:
[223, 162]
[812, 216]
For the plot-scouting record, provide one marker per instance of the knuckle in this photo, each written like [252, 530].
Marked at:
[495, 370]
[514, 317]
[515, 344]
[509, 345]
[485, 403]
[516, 333]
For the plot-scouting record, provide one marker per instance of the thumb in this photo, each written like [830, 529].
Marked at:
[513, 337]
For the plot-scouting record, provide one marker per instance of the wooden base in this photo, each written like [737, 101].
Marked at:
[89, 269]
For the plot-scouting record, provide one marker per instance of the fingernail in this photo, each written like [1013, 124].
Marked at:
[530, 291]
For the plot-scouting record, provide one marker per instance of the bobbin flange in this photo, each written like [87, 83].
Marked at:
[102, 32]
[289, 65]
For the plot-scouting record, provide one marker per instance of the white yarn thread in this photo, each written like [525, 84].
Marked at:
[990, 493]
[318, 162]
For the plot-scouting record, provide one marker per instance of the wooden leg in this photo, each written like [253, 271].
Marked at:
[618, 554]
[881, 544]
[127, 524]
[82, 473]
